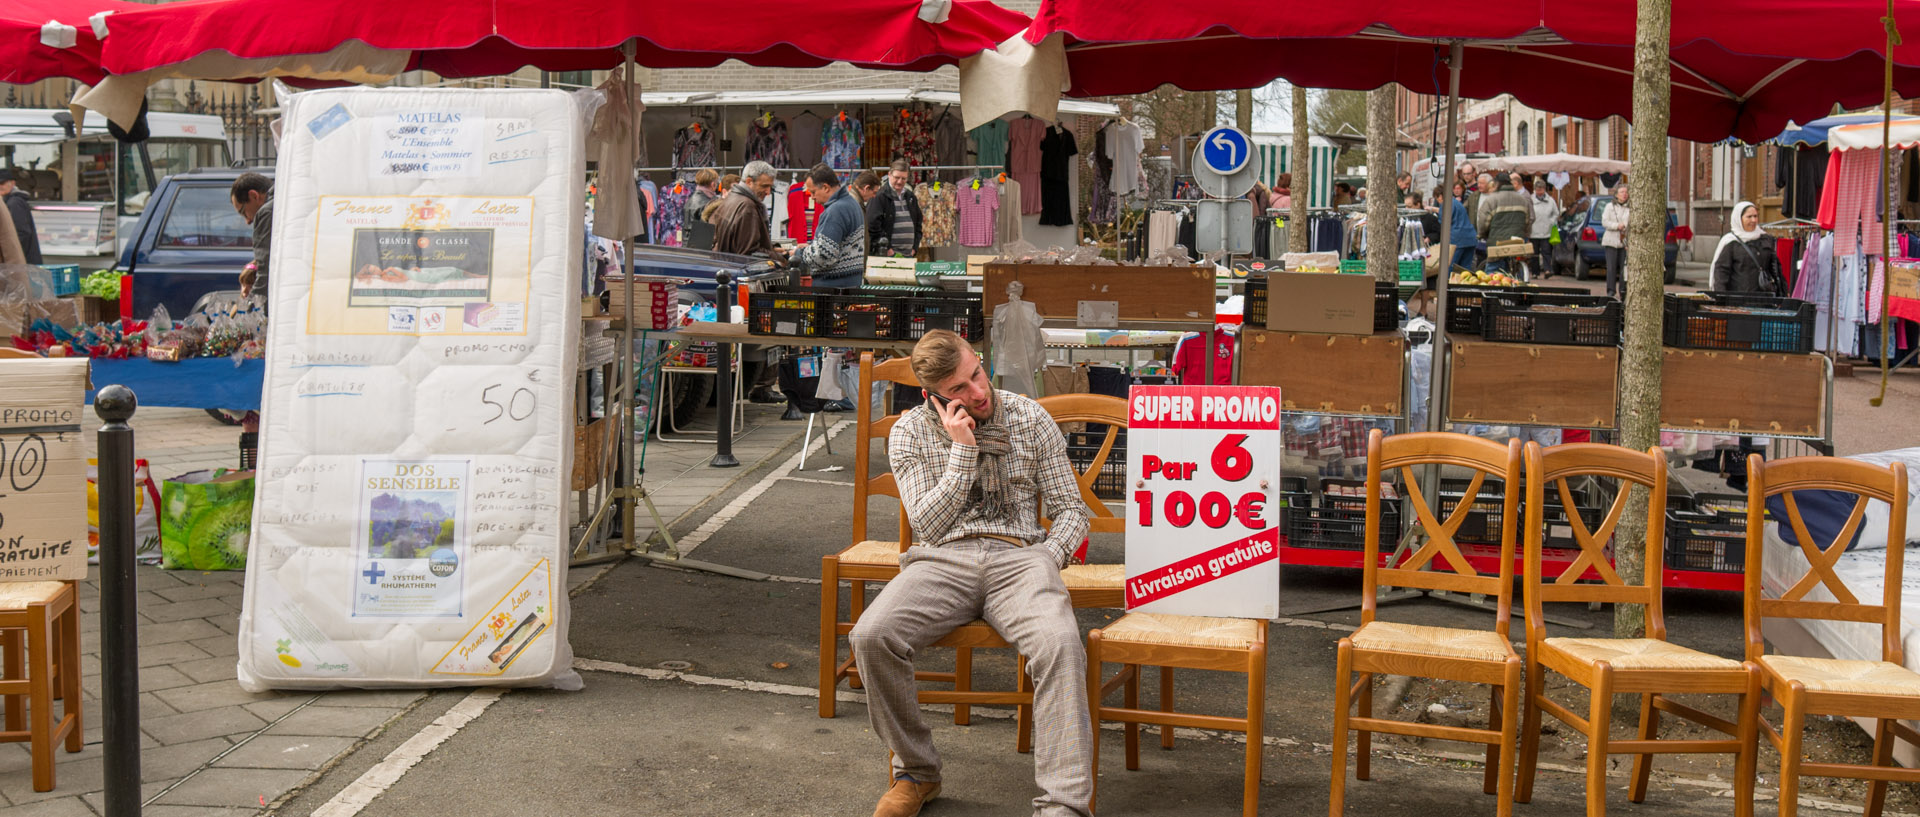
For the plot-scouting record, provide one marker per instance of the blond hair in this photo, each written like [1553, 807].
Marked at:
[937, 356]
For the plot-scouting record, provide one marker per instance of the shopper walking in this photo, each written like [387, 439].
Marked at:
[1613, 242]
[1745, 260]
[837, 256]
[893, 217]
[974, 465]
[20, 208]
[1545, 210]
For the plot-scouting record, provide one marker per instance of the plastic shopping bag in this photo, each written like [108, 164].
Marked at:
[146, 521]
[206, 520]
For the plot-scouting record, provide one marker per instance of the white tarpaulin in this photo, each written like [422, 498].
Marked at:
[410, 526]
[1555, 163]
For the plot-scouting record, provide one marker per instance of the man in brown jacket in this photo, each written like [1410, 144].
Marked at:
[740, 225]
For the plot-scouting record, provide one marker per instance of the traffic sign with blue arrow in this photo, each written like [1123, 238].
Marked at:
[1225, 150]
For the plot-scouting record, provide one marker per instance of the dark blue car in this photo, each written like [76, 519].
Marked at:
[1586, 229]
[189, 242]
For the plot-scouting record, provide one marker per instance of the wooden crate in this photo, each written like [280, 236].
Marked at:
[1167, 294]
[1533, 384]
[589, 446]
[1743, 392]
[1330, 374]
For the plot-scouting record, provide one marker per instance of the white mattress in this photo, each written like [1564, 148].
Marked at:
[410, 526]
[1864, 572]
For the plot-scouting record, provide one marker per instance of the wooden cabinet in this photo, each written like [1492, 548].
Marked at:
[1328, 374]
[1743, 392]
[1533, 384]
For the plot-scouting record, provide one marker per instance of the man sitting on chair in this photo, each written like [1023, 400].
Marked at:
[974, 466]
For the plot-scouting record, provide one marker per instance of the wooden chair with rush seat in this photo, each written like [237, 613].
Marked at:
[1883, 690]
[1445, 653]
[879, 560]
[46, 615]
[1140, 640]
[1651, 667]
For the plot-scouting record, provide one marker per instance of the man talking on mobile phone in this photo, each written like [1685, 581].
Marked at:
[975, 467]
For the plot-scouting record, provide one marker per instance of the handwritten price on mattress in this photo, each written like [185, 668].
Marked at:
[517, 406]
[1231, 462]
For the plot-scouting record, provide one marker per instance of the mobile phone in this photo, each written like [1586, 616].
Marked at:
[937, 399]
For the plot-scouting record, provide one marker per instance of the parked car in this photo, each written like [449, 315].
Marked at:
[188, 242]
[1588, 256]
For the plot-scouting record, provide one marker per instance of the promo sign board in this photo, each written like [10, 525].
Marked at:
[1203, 515]
[43, 471]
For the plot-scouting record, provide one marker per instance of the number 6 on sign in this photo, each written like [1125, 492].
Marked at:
[1204, 523]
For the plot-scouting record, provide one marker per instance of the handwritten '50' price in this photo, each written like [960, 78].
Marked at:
[1231, 462]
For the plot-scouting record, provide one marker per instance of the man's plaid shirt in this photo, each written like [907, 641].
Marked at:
[936, 478]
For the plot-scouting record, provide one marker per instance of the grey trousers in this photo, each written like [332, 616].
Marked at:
[1019, 592]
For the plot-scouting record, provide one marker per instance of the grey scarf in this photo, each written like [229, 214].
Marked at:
[990, 481]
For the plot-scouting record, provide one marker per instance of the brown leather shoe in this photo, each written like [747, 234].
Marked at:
[905, 797]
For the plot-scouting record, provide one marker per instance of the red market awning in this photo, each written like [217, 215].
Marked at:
[466, 38]
[33, 34]
[1740, 68]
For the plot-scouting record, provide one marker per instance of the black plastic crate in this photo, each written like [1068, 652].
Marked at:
[1756, 323]
[1386, 306]
[1111, 483]
[1558, 523]
[1727, 506]
[1464, 303]
[1254, 307]
[1486, 517]
[1706, 542]
[857, 313]
[958, 313]
[1568, 320]
[1339, 528]
[787, 311]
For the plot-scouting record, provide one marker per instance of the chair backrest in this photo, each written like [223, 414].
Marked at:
[898, 371]
[1555, 469]
[1864, 481]
[1450, 569]
[1093, 408]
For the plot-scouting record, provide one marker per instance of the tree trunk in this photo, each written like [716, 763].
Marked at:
[1243, 110]
[1645, 288]
[1383, 223]
[1297, 164]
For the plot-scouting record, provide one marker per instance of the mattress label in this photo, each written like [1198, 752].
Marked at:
[380, 260]
[507, 631]
[412, 538]
[431, 144]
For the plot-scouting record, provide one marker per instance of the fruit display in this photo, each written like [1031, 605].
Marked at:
[1486, 279]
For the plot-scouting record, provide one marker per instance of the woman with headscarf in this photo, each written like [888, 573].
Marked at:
[1745, 261]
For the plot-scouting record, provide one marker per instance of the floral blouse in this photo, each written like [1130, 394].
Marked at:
[936, 214]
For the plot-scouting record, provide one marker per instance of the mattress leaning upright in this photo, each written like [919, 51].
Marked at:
[410, 526]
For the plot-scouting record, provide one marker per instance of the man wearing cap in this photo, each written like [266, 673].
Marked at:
[20, 207]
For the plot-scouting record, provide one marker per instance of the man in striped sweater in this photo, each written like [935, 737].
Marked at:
[837, 256]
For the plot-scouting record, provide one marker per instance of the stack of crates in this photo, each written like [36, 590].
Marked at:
[1708, 533]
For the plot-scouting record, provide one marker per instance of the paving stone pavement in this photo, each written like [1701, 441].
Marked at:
[211, 748]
